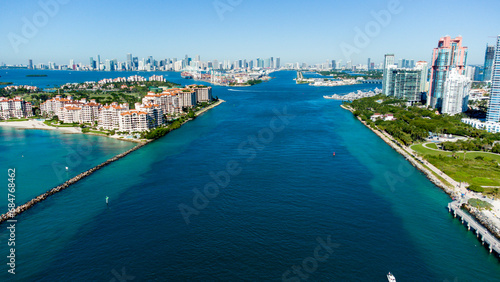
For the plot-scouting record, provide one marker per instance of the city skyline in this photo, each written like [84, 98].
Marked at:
[49, 30]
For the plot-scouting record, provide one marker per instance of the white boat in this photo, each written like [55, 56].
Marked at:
[391, 277]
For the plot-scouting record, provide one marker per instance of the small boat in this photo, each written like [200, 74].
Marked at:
[334, 154]
[391, 277]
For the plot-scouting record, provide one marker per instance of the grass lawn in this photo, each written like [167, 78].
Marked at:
[431, 145]
[50, 123]
[98, 132]
[481, 172]
[419, 148]
[12, 120]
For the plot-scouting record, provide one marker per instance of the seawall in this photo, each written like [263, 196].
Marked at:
[419, 164]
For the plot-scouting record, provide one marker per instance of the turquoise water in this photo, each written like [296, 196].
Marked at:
[288, 192]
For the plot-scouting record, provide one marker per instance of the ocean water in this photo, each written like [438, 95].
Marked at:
[286, 193]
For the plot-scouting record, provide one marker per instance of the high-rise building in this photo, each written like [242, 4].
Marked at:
[488, 62]
[277, 63]
[424, 66]
[30, 64]
[129, 61]
[267, 63]
[493, 114]
[449, 54]
[478, 73]
[455, 93]
[369, 63]
[406, 83]
[470, 71]
[98, 62]
[334, 65]
[388, 61]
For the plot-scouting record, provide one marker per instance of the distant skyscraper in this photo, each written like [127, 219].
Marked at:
[30, 64]
[198, 59]
[98, 62]
[369, 63]
[129, 61]
[277, 63]
[334, 65]
[107, 65]
[470, 71]
[488, 63]
[267, 63]
[455, 93]
[388, 61]
[92, 63]
[449, 54]
[494, 104]
[478, 73]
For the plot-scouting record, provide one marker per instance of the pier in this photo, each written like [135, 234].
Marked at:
[493, 244]
[22, 208]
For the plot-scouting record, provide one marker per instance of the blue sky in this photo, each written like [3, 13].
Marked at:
[296, 31]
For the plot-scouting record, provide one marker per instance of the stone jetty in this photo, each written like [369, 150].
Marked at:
[22, 208]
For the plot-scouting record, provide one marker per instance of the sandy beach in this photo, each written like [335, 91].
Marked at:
[36, 124]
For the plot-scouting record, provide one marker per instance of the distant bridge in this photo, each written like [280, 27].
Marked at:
[373, 81]
[482, 233]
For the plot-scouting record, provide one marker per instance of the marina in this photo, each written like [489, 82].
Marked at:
[354, 95]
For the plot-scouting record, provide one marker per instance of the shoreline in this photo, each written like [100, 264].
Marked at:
[220, 101]
[39, 125]
[10, 214]
[451, 188]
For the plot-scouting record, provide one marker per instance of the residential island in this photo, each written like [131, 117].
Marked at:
[132, 108]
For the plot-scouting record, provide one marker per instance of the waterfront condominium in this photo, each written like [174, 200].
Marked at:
[488, 63]
[388, 61]
[494, 104]
[449, 54]
[456, 93]
[406, 83]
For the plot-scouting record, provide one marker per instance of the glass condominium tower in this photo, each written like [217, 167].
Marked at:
[493, 114]
[449, 54]
[488, 63]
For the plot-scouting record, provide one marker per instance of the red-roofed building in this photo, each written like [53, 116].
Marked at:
[15, 108]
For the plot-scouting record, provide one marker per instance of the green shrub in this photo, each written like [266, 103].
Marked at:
[476, 188]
